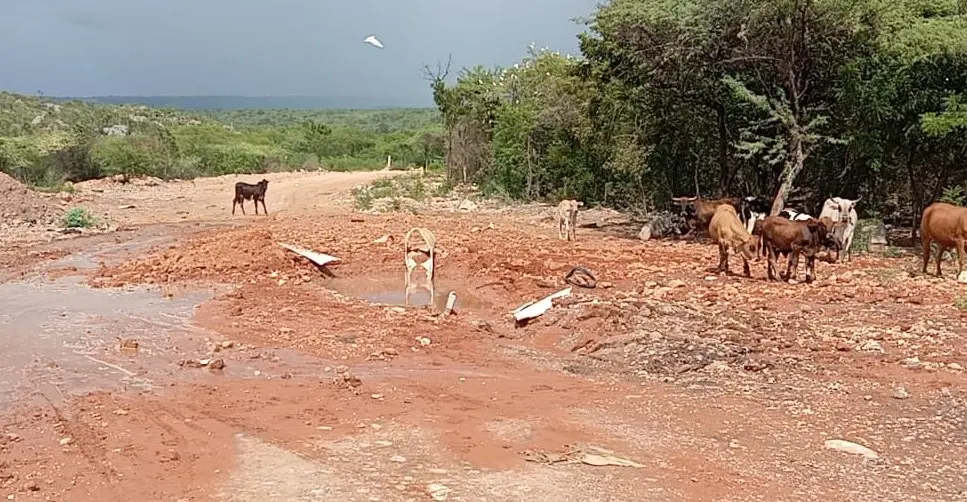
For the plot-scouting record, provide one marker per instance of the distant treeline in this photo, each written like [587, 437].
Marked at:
[257, 102]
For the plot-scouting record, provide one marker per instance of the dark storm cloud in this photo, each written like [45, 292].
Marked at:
[257, 47]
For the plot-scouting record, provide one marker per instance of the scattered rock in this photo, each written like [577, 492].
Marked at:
[217, 364]
[912, 362]
[31, 486]
[227, 344]
[645, 232]
[901, 393]
[128, 344]
[872, 346]
[467, 205]
[676, 283]
[849, 447]
[438, 491]
[66, 441]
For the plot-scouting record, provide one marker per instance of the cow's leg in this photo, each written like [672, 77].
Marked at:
[771, 267]
[926, 252]
[723, 259]
[792, 266]
[940, 251]
[241, 204]
[234, 201]
[810, 268]
[255, 200]
[960, 256]
[745, 267]
[265, 210]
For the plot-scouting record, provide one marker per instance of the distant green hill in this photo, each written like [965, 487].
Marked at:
[47, 141]
[260, 102]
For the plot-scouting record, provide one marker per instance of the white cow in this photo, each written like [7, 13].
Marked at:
[843, 210]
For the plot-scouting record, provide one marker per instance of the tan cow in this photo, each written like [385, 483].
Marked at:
[567, 218]
[728, 232]
[946, 225]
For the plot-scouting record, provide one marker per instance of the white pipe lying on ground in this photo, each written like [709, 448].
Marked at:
[317, 258]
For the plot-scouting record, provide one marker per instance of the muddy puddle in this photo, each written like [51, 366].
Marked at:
[65, 336]
[388, 290]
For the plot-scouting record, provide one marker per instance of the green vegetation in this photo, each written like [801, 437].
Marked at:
[413, 188]
[836, 97]
[79, 217]
[47, 142]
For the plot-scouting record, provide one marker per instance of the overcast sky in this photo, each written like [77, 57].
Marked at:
[266, 47]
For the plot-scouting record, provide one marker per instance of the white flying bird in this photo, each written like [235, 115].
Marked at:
[373, 40]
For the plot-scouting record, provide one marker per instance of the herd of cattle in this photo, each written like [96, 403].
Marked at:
[743, 226]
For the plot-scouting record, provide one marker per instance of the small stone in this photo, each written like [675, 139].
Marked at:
[849, 447]
[13, 438]
[377, 396]
[217, 364]
[912, 362]
[398, 310]
[676, 283]
[901, 393]
[437, 491]
[66, 441]
[397, 458]
[121, 412]
[955, 366]
[871, 346]
[31, 486]
[227, 344]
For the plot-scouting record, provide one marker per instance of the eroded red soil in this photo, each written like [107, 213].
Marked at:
[720, 388]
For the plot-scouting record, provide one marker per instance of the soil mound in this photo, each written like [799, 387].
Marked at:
[233, 256]
[22, 203]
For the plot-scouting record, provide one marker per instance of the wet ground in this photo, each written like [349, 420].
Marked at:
[258, 377]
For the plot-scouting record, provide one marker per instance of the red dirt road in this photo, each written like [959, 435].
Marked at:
[717, 388]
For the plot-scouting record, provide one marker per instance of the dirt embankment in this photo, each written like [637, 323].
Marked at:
[23, 205]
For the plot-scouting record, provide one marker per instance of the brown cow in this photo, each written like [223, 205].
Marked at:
[792, 238]
[728, 232]
[946, 225]
[699, 212]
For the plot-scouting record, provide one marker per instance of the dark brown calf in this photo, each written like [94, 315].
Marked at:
[248, 191]
[699, 212]
[792, 238]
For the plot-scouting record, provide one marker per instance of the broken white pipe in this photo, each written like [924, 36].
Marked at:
[533, 309]
[451, 301]
[317, 258]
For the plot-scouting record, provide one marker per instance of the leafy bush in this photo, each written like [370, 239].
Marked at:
[953, 195]
[79, 217]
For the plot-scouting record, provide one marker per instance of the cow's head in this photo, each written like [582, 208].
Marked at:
[844, 207]
[750, 248]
